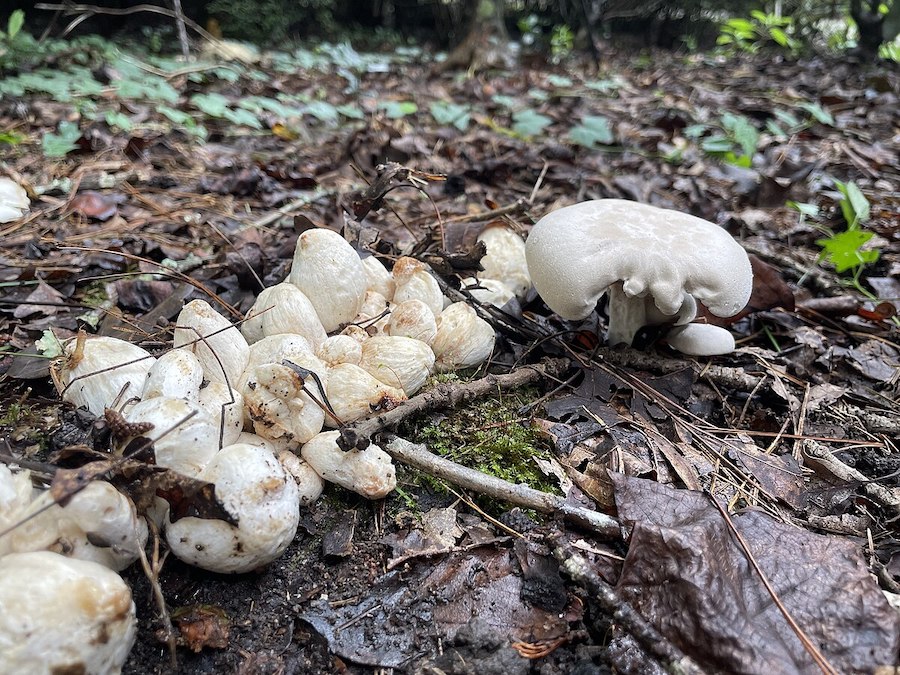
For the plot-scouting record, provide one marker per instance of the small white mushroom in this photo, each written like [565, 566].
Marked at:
[222, 351]
[98, 523]
[638, 253]
[353, 394]
[13, 200]
[275, 402]
[414, 282]
[700, 339]
[176, 374]
[400, 362]
[330, 273]
[463, 338]
[188, 447]
[378, 278]
[413, 319]
[340, 349]
[255, 440]
[489, 291]
[368, 472]
[93, 377]
[309, 483]
[373, 314]
[254, 488]
[505, 259]
[61, 615]
[283, 308]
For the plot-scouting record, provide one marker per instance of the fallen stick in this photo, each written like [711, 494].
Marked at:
[452, 394]
[418, 456]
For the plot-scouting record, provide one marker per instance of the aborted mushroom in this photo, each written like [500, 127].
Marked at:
[654, 263]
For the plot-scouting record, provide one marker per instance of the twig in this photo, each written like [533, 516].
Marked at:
[657, 646]
[88, 10]
[453, 394]
[419, 457]
[182, 33]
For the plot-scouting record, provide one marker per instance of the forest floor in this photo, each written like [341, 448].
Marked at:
[153, 182]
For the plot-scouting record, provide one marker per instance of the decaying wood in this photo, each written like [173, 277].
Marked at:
[418, 456]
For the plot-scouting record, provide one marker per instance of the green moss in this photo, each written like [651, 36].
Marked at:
[489, 436]
[94, 294]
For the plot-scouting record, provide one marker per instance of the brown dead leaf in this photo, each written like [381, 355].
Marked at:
[201, 626]
[96, 205]
[681, 555]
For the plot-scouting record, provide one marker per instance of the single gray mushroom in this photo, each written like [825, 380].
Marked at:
[654, 263]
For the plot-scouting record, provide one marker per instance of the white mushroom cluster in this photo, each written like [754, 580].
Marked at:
[654, 264]
[249, 407]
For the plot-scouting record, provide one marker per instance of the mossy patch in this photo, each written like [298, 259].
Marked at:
[489, 435]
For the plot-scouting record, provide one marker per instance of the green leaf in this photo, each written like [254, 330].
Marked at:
[15, 23]
[242, 117]
[114, 118]
[593, 130]
[397, 109]
[744, 161]
[808, 210]
[446, 113]
[322, 111]
[854, 206]
[61, 144]
[11, 137]
[505, 101]
[529, 123]
[49, 345]
[843, 249]
[773, 128]
[780, 36]
[788, 118]
[559, 81]
[538, 94]
[694, 130]
[604, 86]
[743, 132]
[717, 144]
[351, 111]
[211, 104]
[818, 112]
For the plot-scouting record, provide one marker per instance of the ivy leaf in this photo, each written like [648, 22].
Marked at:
[397, 109]
[529, 123]
[743, 132]
[593, 130]
[61, 144]
[114, 118]
[450, 113]
[818, 112]
[322, 111]
[843, 249]
[351, 111]
[242, 117]
[212, 104]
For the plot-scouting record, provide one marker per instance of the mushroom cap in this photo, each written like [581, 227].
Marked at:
[575, 253]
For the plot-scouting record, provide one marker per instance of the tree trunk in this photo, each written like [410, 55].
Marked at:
[486, 42]
[870, 24]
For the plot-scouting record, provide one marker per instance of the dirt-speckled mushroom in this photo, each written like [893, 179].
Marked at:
[62, 615]
[254, 487]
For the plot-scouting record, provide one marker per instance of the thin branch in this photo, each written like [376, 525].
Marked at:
[418, 456]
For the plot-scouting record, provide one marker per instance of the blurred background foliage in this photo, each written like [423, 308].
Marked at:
[545, 26]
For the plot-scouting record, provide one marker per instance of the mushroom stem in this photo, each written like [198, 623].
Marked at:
[626, 315]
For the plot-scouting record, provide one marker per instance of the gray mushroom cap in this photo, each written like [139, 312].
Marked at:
[575, 254]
